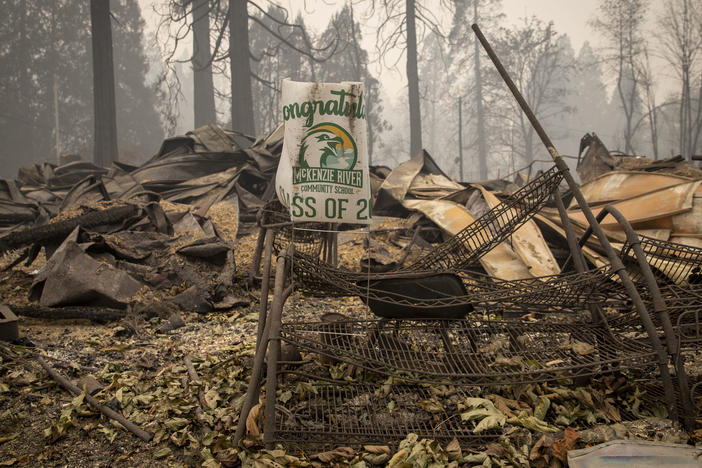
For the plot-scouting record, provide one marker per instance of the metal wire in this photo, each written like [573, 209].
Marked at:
[672, 262]
[368, 414]
[472, 353]
[492, 228]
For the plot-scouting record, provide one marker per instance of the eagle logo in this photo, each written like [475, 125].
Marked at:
[328, 146]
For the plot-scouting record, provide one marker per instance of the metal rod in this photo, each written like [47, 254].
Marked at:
[256, 261]
[615, 261]
[661, 311]
[460, 140]
[257, 371]
[596, 315]
[575, 249]
[279, 298]
[265, 282]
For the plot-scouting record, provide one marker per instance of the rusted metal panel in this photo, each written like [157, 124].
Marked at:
[659, 205]
[431, 186]
[501, 262]
[690, 223]
[691, 241]
[593, 256]
[529, 244]
[621, 185]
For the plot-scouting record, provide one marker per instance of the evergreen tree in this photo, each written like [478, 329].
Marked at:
[43, 42]
[439, 127]
[588, 97]
[350, 63]
[276, 58]
[533, 54]
[138, 124]
[475, 81]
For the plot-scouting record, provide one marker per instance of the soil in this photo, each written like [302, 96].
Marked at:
[144, 375]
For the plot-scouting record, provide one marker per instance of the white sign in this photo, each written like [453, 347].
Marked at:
[323, 170]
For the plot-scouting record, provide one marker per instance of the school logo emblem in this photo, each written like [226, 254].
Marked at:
[328, 146]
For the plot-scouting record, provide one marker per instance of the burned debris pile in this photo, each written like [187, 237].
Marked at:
[110, 235]
[464, 326]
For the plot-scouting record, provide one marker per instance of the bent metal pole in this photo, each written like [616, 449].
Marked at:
[614, 259]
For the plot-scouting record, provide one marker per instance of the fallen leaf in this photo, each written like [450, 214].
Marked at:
[211, 398]
[483, 410]
[78, 400]
[555, 362]
[515, 361]
[562, 446]
[582, 348]
[228, 458]
[431, 405]
[377, 449]
[117, 348]
[530, 422]
[285, 396]
[398, 458]
[453, 449]
[9, 437]
[535, 451]
[541, 408]
[163, 453]
[612, 412]
[331, 455]
[251, 426]
[175, 423]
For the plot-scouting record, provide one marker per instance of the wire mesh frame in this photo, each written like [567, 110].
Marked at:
[683, 305]
[307, 238]
[493, 227]
[624, 361]
[666, 346]
[318, 278]
[465, 353]
[369, 414]
[613, 359]
[605, 359]
[674, 263]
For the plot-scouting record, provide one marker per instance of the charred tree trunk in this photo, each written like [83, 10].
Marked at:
[105, 145]
[413, 82]
[482, 147]
[203, 89]
[242, 100]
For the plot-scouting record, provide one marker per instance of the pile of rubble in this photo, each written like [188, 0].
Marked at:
[151, 249]
[112, 236]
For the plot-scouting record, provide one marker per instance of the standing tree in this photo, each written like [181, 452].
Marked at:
[232, 46]
[473, 86]
[436, 129]
[652, 111]
[203, 88]
[621, 23]
[293, 56]
[350, 63]
[105, 114]
[540, 62]
[399, 27]
[680, 36]
[413, 79]
[240, 68]
[139, 130]
[588, 96]
[45, 43]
